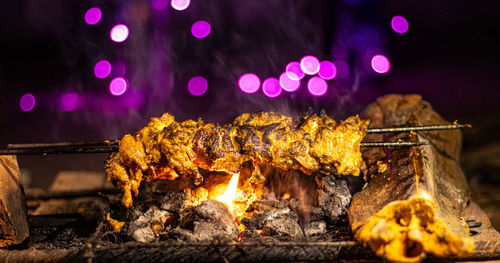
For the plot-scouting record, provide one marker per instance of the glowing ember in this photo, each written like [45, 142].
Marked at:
[286, 196]
[261, 232]
[27, 102]
[327, 70]
[380, 64]
[317, 86]
[180, 5]
[93, 16]
[399, 24]
[118, 86]
[230, 193]
[197, 85]
[288, 84]
[294, 72]
[119, 33]
[249, 83]
[271, 87]
[159, 4]
[309, 65]
[200, 29]
[102, 69]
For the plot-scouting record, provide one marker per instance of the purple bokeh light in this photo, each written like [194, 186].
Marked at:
[200, 29]
[197, 85]
[69, 100]
[119, 33]
[317, 86]
[93, 16]
[159, 4]
[118, 69]
[27, 102]
[102, 69]
[380, 64]
[180, 5]
[399, 24]
[249, 83]
[309, 65]
[288, 84]
[327, 70]
[293, 71]
[118, 86]
[271, 87]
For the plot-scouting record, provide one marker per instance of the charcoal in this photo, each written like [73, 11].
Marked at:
[147, 226]
[333, 197]
[211, 220]
[315, 228]
[176, 201]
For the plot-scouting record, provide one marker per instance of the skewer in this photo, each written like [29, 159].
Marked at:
[63, 144]
[419, 128]
[113, 148]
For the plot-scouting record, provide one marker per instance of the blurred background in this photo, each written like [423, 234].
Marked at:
[85, 70]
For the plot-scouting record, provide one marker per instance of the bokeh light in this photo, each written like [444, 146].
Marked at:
[327, 70]
[317, 86]
[293, 71]
[180, 4]
[271, 87]
[69, 100]
[309, 65]
[380, 64]
[249, 83]
[27, 102]
[289, 84]
[119, 33]
[159, 4]
[93, 16]
[118, 86]
[197, 85]
[102, 69]
[200, 29]
[399, 24]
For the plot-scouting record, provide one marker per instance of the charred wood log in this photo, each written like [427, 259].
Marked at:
[13, 221]
[417, 205]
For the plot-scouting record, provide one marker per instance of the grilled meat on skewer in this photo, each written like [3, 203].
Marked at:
[167, 149]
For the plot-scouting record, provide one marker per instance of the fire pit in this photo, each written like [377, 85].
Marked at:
[296, 217]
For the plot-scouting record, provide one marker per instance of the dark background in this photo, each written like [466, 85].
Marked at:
[450, 56]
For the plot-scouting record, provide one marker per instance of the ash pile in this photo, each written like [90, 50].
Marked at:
[293, 207]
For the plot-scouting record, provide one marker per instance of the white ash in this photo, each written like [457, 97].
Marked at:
[315, 228]
[147, 226]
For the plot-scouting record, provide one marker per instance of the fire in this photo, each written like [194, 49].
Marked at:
[230, 193]
[286, 196]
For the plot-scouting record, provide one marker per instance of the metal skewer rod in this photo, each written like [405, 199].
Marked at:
[113, 148]
[419, 128]
[58, 150]
[63, 144]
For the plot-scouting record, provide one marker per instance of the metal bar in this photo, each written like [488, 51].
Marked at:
[391, 144]
[419, 128]
[58, 150]
[69, 194]
[63, 144]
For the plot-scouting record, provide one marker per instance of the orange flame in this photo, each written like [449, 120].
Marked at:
[286, 196]
[230, 193]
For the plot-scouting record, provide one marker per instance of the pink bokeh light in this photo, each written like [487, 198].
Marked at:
[309, 65]
[271, 87]
[293, 71]
[289, 84]
[380, 64]
[197, 85]
[93, 16]
[102, 69]
[27, 102]
[399, 24]
[69, 100]
[317, 86]
[249, 83]
[200, 29]
[180, 5]
[119, 33]
[118, 86]
[159, 4]
[327, 70]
